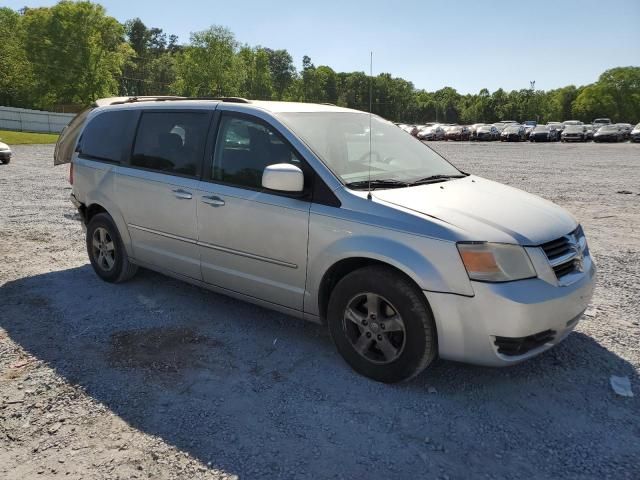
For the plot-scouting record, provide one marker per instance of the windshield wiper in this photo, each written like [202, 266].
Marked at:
[378, 183]
[435, 179]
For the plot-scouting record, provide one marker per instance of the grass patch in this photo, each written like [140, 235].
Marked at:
[25, 138]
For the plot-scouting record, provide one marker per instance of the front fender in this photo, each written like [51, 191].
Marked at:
[431, 263]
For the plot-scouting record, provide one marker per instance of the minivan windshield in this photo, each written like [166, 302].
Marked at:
[341, 140]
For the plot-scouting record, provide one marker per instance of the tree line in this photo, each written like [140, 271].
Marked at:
[72, 53]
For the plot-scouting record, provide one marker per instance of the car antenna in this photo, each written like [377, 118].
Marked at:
[370, 113]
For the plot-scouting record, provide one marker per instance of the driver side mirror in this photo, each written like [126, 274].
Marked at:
[283, 177]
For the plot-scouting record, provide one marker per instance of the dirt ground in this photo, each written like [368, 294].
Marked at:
[158, 379]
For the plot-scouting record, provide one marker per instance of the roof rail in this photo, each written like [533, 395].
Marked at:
[228, 99]
[122, 100]
[163, 98]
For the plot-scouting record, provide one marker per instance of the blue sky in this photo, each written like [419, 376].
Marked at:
[464, 44]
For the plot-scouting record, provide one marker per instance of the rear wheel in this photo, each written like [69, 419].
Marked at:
[381, 324]
[106, 251]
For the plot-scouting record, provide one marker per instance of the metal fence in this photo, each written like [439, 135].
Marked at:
[24, 120]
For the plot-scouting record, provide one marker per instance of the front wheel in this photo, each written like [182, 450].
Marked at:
[106, 251]
[382, 325]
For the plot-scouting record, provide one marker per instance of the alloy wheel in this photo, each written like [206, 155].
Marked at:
[104, 250]
[375, 328]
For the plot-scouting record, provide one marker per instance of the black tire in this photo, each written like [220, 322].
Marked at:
[5, 161]
[419, 338]
[121, 269]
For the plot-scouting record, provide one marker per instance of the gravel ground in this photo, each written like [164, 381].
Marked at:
[159, 379]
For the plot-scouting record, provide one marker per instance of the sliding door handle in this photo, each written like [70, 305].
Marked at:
[213, 201]
[182, 194]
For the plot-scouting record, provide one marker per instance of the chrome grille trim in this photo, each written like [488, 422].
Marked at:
[565, 254]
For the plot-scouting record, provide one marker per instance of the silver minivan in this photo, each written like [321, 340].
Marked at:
[330, 215]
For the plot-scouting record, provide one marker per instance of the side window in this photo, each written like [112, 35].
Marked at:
[103, 137]
[171, 142]
[244, 148]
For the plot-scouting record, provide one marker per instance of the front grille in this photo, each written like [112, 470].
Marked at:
[514, 346]
[564, 253]
[557, 248]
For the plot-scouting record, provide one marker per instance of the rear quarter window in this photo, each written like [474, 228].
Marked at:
[106, 135]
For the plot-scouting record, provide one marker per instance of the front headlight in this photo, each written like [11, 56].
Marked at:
[496, 262]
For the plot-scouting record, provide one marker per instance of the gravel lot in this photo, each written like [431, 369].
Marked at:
[159, 379]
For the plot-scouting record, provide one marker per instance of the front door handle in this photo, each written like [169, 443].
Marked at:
[182, 194]
[213, 201]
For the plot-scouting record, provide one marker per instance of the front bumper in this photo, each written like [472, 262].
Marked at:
[468, 327]
[5, 155]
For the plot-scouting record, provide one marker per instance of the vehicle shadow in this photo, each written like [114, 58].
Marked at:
[259, 394]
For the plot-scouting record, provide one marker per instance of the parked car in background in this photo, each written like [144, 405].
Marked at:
[529, 125]
[608, 133]
[500, 126]
[574, 133]
[5, 153]
[625, 128]
[410, 129]
[599, 122]
[473, 130]
[506, 122]
[456, 132]
[487, 133]
[434, 132]
[513, 133]
[543, 133]
[556, 126]
[572, 122]
[403, 261]
[635, 134]
[589, 131]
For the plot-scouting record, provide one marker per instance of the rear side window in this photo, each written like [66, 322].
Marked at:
[67, 142]
[106, 135]
[171, 142]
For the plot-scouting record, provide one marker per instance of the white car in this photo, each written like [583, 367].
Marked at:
[331, 215]
[5, 153]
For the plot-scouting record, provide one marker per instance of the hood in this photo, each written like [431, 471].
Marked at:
[4, 146]
[485, 210]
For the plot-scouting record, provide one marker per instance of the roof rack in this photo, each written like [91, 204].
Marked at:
[123, 100]
[227, 99]
[163, 98]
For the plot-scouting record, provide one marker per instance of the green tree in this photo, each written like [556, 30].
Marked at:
[16, 74]
[616, 95]
[256, 81]
[150, 70]
[76, 52]
[283, 72]
[209, 65]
